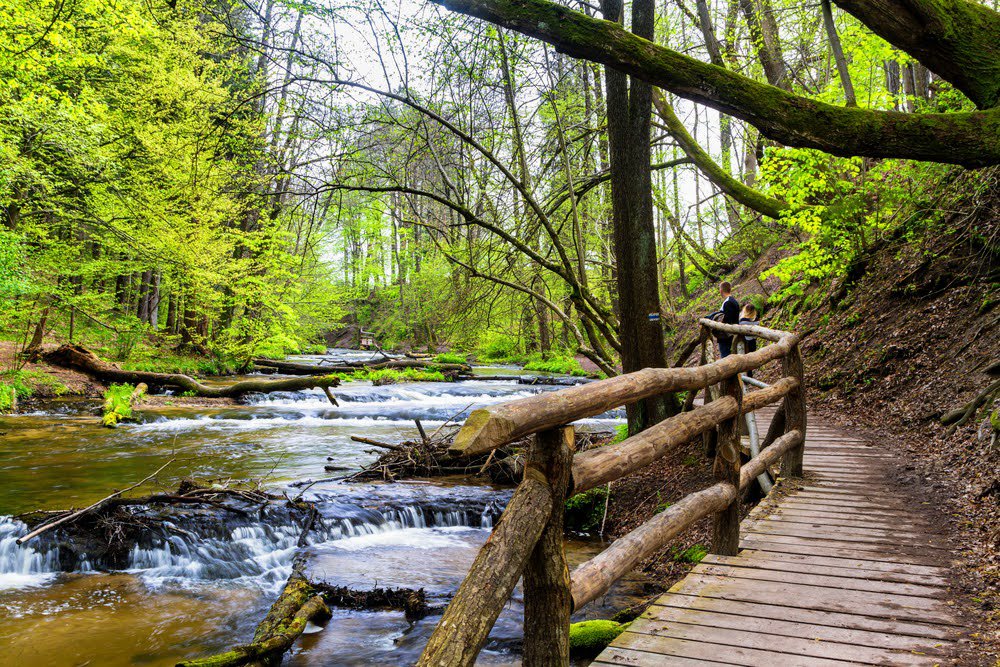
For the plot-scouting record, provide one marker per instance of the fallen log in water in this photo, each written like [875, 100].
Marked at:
[82, 359]
[302, 601]
[295, 368]
[298, 604]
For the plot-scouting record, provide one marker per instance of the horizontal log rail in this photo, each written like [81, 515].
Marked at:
[528, 538]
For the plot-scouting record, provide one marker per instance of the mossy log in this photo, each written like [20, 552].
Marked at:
[971, 139]
[82, 359]
[115, 409]
[298, 604]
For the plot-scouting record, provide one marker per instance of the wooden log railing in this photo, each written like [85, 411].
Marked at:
[528, 539]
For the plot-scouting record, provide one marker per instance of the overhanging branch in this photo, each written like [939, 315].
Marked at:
[970, 139]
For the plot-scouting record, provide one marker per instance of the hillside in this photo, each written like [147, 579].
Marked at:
[907, 334]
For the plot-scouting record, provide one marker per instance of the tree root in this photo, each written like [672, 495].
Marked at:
[960, 415]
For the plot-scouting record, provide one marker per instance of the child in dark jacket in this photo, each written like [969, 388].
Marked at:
[749, 316]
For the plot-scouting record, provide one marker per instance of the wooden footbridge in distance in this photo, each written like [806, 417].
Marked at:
[831, 568]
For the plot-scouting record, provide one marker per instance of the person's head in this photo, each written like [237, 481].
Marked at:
[749, 312]
[725, 288]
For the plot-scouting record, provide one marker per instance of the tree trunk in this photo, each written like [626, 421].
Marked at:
[629, 107]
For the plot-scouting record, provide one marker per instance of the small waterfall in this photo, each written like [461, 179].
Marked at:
[180, 550]
[25, 565]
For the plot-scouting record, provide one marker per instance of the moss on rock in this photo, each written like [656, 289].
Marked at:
[588, 638]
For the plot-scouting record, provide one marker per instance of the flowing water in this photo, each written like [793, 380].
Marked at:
[200, 584]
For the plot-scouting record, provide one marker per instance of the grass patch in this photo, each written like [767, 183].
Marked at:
[588, 638]
[16, 386]
[393, 375]
[158, 362]
[693, 554]
[450, 358]
[118, 404]
[562, 365]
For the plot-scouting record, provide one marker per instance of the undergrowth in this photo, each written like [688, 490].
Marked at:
[18, 385]
[118, 404]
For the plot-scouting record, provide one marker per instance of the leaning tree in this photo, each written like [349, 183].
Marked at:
[956, 39]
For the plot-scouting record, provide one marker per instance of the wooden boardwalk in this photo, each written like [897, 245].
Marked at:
[840, 570]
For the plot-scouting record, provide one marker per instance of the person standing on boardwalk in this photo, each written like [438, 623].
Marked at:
[729, 313]
[749, 317]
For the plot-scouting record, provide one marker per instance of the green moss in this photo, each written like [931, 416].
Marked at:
[621, 433]
[584, 511]
[117, 404]
[589, 638]
[693, 554]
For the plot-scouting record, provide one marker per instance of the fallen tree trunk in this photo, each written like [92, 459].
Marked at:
[293, 368]
[297, 605]
[82, 359]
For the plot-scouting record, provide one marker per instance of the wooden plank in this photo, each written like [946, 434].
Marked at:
[624, 656]
[770, 622]
[781, 612]
[804, 503]
[926, 574]
[859, 527]
[808, 547]
[841, 518]
[654, 649]
[884, 550]
[878, 605]
[852, 534]
[854, 500]
[751, 571]
[788, 647]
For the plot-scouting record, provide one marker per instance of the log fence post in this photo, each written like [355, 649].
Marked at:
[726, 527]
[548, 600]
[795, 412]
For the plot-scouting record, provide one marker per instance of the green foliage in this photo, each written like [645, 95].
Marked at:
[17, 385]
[584, 511]
[621, 433]
[14, 387]
[588, 638]
[394, 375]
[832, 209]
[118, 404]
[563, 365]
[277, 346]
[450, 358]
[176, 363]
[500, 348]
[693, 554]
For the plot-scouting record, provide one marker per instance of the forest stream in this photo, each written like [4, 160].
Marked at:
[196, 590]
